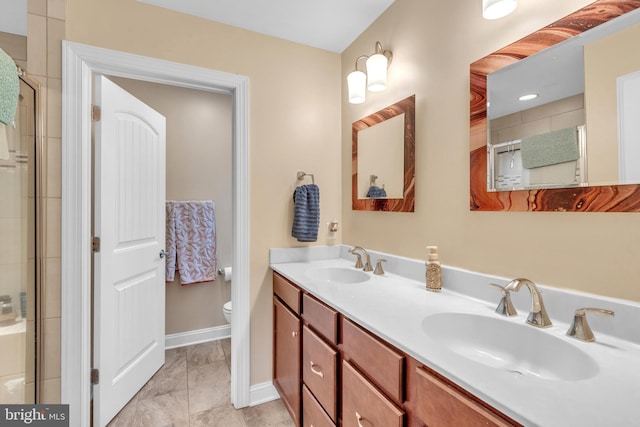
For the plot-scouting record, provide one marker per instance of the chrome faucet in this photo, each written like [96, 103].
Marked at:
[538, 316]
[367, 262]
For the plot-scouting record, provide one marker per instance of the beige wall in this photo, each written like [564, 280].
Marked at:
[432, 48]
[294, 112]
[198, 168]
[604, 61]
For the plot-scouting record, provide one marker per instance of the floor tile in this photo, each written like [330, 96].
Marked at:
[226, 348]
[225, 415]
[171, 409]
[205, 353]
[271, 414]
[192, 389]
[209, 386]
[172, 376]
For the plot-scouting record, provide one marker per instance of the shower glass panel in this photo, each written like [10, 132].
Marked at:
[19, 250]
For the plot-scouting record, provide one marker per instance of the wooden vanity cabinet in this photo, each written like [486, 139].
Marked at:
[287, 345]
[331, 372]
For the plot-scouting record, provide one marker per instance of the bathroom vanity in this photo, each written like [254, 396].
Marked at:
[355, 349]
[367, 377]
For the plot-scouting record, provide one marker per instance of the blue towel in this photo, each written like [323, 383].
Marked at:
[306, 215]
[376, 192]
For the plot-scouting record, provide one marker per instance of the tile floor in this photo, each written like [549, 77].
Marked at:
[192, 390]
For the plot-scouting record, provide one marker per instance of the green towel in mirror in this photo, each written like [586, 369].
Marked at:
[9, 88]
[549, 148]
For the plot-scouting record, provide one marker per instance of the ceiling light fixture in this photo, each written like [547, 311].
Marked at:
[496, 9]
[376, 75]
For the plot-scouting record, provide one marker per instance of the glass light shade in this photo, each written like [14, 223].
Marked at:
[357, 84]
[377, 72]
[495, 9]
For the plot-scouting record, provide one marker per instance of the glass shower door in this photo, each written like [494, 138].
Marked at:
[19, 272]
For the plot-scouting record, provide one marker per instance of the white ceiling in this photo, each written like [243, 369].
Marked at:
[330, 24]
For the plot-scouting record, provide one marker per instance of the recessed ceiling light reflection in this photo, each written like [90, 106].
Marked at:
[528, 97]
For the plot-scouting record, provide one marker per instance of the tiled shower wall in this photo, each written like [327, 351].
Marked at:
[45, 31]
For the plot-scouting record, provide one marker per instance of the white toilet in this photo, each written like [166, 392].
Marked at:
[226, 310]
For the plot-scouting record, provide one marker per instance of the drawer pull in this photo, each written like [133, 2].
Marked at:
[294, 334]
[315, 371]
[359, 418]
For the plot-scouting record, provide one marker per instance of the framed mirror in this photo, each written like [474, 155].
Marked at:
[383, 159]
[583, 119]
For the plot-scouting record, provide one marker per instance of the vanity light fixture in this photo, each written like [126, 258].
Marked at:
[375, 79]
[528, 97]
[496, 9]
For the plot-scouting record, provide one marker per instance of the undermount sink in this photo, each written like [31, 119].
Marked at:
[338, 275]
[502, 344]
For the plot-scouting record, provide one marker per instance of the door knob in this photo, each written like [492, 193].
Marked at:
[162, 253]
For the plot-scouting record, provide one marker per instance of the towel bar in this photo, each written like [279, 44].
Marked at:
[302, 174]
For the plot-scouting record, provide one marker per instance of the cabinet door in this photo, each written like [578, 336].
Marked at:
[441, 405]
[363, 405]
[383, 366]
[313, 415]
[319, 370]
[286, 357]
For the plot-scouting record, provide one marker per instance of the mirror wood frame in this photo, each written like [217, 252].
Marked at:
[608, 198]
[405, 204]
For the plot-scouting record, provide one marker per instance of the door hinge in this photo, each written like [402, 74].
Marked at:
[95, 376]
[95, 113]
[95, 244]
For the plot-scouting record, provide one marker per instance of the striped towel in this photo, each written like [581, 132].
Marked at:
[306, 215]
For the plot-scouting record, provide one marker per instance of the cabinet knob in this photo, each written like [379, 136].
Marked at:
[294, 334]
[316, 371]
[359, 419]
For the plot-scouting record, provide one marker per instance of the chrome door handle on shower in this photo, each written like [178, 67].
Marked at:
[162, 253]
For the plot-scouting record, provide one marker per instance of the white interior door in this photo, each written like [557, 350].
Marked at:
[129, 218]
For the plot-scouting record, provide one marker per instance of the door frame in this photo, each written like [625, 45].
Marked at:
[79, 63]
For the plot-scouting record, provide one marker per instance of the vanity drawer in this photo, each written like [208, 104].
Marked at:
[364, 405]
[440, 404]
[384, 366]
[320, 370]
[312, 413]
[287, 292]
[322, 318]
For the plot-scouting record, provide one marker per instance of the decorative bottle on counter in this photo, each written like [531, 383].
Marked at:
[434, 272]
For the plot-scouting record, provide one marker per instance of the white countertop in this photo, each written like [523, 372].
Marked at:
[393, 307]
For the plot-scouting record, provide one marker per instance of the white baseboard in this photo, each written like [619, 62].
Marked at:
[198, 336]
[262, 393]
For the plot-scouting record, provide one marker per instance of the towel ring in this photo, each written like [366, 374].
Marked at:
[302, 174]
